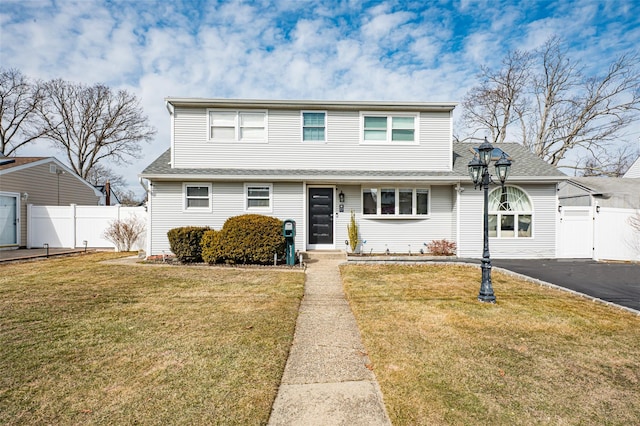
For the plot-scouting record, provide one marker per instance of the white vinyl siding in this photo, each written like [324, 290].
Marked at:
[401, 234]
[229, 200]
[541, 245]
[342, 149]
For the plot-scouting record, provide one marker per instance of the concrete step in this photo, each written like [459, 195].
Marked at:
[324, 254]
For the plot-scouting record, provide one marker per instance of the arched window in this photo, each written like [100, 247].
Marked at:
[510, 213]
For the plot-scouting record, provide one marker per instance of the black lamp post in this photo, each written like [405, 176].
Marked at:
[479, 172]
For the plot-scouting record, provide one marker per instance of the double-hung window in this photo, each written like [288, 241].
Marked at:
[314, 125]
[401, 128]
[197, 196]
[258, 197]
[242, 126]
[395, 202]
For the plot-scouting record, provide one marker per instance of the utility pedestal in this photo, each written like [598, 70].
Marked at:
[289, 233]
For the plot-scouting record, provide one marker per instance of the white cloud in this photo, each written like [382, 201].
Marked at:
[291, 49]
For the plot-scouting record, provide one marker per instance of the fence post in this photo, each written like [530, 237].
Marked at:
[29, 230]
[74, 225]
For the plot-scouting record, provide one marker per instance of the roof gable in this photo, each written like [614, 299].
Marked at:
[23, 163]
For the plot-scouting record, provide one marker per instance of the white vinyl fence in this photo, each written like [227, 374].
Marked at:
[614, 238]
[70, 226]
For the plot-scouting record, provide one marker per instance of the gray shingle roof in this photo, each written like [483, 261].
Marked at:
[525, 166]
[608, 185]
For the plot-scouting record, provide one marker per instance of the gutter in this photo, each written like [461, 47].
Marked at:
[310, 104]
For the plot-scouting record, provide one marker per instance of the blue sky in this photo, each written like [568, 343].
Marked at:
[296, 49]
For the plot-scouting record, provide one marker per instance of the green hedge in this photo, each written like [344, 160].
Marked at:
[245, 239]
[185, 243]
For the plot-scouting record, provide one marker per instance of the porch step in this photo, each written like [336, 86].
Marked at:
[324, 254]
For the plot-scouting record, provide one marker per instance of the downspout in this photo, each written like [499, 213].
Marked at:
[459, 190]
[171, 110]
[147, 190]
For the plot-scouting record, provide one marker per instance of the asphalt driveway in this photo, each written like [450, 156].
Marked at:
[618, 283]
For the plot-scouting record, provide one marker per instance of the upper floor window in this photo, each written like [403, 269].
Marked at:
[237, 125]
[197, 196]
[258, 196]
[510, 213]
[314, 126]
[401, 128]
[395, 202]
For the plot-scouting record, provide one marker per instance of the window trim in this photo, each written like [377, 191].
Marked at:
[237, 127]
[389, 129]
[396, 214]
[516, 214]
[185, 198]
[246, 197]
[302, 113]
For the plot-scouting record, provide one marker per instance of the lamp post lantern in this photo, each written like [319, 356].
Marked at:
[479, 173]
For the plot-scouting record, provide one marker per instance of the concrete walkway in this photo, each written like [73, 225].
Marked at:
[326, 380]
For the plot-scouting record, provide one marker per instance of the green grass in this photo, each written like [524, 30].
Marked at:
[539, 356]
[86, 342]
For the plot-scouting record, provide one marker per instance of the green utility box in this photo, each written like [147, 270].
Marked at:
[289, 233]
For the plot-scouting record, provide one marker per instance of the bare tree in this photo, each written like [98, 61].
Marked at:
[124, 233]
[543, 100]
[20, 102]
[495, 104]
[100, 174]
[92, 124]
[129, 198]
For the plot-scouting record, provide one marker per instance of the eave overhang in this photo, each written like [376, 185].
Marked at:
[336, 177]
[310, 104]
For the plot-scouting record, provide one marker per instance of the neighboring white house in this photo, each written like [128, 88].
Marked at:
[392, 163]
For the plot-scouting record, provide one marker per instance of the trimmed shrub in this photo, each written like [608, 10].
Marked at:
[185, 243]
[250, 239]
[442, 248]
[211, 249]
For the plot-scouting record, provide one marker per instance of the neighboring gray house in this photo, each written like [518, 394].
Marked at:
[39, 181]
[392, 163]
[622, 193]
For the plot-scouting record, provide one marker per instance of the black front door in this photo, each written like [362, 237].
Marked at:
[321, 216]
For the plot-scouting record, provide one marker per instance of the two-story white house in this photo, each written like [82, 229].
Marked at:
[392, 163]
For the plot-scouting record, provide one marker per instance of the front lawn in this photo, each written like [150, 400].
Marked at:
[85, 342]
[539, 356]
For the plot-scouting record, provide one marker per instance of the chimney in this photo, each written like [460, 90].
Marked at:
[107, 190]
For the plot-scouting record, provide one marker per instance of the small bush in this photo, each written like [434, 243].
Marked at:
[211, 249]
[185, 243]
[249, 239]
[442, 248]
[125, 232]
